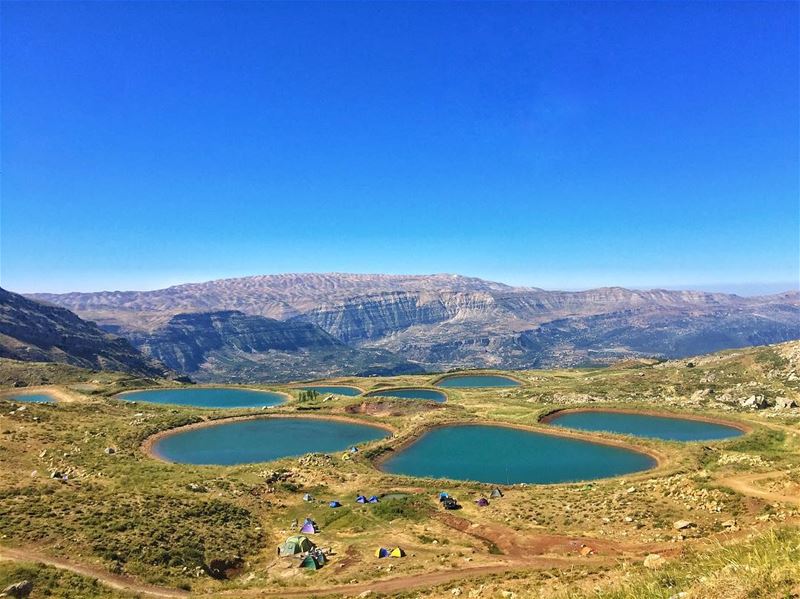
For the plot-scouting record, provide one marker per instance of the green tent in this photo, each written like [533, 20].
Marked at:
[310, 563]
[293, 545]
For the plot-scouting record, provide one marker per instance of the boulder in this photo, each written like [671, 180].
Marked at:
[683, 524]
[220, 568]
[756, 402]
[18, 589]
[785, 403]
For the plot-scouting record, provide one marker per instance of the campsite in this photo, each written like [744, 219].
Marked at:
[337, 521]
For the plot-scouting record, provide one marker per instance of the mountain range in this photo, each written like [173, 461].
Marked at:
[278, 327]
[32, 331]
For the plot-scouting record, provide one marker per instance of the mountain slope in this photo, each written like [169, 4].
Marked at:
[274, 296]
[233, 346]
[32, 331]
[448, 321]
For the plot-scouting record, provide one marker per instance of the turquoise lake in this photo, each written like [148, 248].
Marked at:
[335, 389]
[429, 394]
[262, 440]
[497, 454]
[207, 398]
[645, 425]
[467, 381]
[33, 398]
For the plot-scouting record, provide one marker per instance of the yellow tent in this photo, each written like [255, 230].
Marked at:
[397, 552]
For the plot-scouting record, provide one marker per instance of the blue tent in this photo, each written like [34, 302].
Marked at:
[361, 499]
[353, 449]
[373, 499]
[443, 496]
[334, 503]
[381, 552]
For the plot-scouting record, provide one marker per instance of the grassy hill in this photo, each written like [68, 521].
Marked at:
[126, 514]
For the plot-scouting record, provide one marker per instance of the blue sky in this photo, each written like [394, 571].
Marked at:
[560, 145]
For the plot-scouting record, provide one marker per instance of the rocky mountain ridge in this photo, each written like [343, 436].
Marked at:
[449, 321]
[32, 331]
[235, 347]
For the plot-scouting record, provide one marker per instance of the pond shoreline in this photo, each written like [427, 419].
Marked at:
[118, 396]
[148, 446]
[488, 373]
[661, 461]
[744, 428]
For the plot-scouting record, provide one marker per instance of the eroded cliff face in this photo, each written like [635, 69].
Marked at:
[185, 341]
[440, 321]
[375, 316]
[230, 345]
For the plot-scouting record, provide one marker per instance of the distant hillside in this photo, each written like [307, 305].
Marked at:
[232, 346]
[32, 331]
[448, 321]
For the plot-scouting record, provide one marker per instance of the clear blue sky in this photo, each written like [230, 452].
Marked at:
[562, 145]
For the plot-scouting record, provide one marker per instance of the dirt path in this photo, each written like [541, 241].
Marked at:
[525, 547]
[743, 483]
[417, 581]
[520, 552]
[115, 581]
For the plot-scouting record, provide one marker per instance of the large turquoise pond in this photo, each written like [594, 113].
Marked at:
[32, 398]
[262, 440]
[645, 425]
[429, 394]
[335, 389]
[207, 397]
[498, 454]
[467, 381]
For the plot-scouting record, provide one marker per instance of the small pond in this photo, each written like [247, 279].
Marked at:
[32, 398]
[504, 455]
[475, 381]
[217, 397]
[644, 425]
[262, 440]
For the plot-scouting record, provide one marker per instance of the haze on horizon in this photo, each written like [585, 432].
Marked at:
[562, 146]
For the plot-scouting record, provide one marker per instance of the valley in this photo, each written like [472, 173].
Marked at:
[284, 327]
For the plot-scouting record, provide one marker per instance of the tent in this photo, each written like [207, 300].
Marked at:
[345, 456]
[308, 497]
[443, 496]
[310, 562]
[309, 527]
[373, 499]
[293, 545]
[496, 493]
[334, 503]
[353, 449]
[397, 552]
[450, 503]
[361, 499]
[381, 552]
[482, 502]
